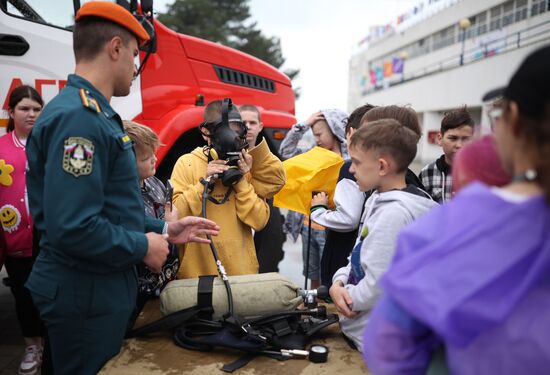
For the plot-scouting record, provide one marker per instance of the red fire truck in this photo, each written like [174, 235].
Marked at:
[180, 75]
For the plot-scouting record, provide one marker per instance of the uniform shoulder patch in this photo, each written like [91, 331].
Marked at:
[89, 101]
[78, 156]
[125, 138]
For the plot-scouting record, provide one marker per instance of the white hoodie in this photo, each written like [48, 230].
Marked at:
[384, 216]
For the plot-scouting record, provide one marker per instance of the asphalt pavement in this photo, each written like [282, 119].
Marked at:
[11, 340]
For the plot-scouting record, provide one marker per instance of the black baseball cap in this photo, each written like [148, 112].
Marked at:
[529, 87]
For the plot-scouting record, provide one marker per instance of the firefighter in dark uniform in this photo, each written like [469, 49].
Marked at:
[86, 202]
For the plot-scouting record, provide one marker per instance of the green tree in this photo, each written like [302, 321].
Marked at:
[226, 22]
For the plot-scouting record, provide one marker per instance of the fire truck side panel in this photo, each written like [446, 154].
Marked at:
[183, 75]
[167, 80]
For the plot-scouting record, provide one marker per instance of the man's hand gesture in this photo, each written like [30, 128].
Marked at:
[190, 229]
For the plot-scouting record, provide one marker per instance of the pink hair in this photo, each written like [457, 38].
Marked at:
[479, 161]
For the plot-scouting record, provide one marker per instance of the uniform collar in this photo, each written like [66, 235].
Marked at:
[78, 82]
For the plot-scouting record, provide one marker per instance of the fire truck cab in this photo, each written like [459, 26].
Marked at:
[181, 75]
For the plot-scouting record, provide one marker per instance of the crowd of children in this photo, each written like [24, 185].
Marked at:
[454, 260]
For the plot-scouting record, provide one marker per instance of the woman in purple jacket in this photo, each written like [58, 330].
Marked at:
[470, 279]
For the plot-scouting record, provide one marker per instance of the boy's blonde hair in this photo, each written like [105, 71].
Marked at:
[390, 138]
[143, 137]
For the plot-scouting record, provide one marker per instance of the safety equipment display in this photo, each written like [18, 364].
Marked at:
[253, 295]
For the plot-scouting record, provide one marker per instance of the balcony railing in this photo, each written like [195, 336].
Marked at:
[539, 33]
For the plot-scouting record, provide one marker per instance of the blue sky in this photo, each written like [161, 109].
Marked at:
[319, 37]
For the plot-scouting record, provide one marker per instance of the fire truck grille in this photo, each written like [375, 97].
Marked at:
[235, 77]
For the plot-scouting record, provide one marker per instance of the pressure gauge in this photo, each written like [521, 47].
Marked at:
[318, 353]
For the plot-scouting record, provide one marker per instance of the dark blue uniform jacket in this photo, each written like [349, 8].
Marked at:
[83, 188]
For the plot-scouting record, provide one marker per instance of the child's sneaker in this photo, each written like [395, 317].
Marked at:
[31, 360]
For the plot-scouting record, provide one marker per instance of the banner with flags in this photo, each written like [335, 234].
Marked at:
[379, 74]
[398, 64]
[372, 74]
[388, 69]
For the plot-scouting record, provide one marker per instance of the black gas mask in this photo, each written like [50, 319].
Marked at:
[227, 140]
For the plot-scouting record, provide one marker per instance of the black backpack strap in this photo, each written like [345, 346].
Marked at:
[242, 361]
[282, 327]
[204, 296]
[167, 323]
[313, 329]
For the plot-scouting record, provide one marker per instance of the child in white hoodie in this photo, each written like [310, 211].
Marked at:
[380, 154]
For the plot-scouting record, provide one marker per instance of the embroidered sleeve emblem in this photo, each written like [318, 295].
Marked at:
[78, 156]
[10, 218]
[5, 171]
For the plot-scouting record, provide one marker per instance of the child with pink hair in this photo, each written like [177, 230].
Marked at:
[479, 161]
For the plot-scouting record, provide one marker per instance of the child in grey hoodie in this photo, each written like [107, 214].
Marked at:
[328, 127]
[380, 154]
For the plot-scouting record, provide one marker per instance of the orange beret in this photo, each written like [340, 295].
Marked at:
[114, 13]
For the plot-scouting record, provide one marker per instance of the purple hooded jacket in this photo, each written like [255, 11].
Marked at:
[472, 276]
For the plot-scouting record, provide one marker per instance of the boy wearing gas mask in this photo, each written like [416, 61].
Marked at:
[232, 200]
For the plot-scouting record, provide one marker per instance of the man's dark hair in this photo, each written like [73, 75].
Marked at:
[91, 33]
[390, 138]
[354, 120]
[455, 119]
[405, 115]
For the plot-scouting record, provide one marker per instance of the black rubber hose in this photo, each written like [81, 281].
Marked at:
[307, 252]
[214, 251]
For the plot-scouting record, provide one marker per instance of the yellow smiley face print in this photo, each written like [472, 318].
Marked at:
[10, 217]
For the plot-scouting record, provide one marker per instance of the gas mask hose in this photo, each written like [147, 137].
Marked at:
[208, 182]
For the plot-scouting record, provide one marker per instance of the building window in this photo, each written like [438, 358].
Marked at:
[507, 13]
[478, 26]
[495, 18]
[482, 23]
[444, 38]
[538, 7]
[521, 10]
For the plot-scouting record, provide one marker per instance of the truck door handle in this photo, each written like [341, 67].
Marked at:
[13, 45]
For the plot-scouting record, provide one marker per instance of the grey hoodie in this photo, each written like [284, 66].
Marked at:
[384, 216]
[336, 120]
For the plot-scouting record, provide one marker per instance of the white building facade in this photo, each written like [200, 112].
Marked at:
[448, 58]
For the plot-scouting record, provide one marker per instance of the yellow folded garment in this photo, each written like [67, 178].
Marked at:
[315, 170]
